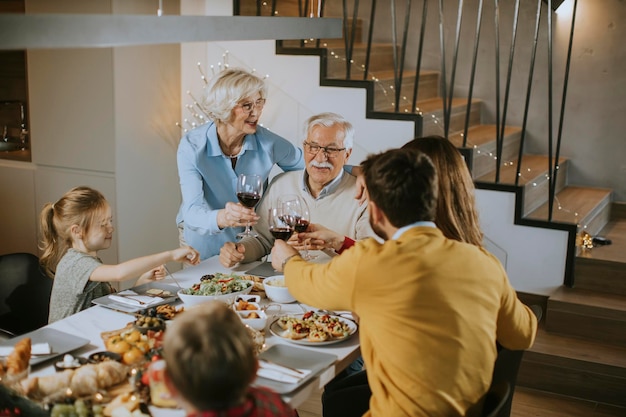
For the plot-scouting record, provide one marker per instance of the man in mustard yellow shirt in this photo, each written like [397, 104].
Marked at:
[430, 308]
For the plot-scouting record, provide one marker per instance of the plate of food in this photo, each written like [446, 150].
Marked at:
[139, 298]
[313, 329]
[216, 287]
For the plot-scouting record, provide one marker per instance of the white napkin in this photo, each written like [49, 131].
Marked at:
[280, 373]
[136, 298]
[36, 349]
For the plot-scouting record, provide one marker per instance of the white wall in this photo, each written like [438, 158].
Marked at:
[533, 257]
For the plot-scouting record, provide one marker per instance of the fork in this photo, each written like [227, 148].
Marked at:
[132, 297]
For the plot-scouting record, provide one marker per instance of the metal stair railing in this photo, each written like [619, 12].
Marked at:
[357, 11]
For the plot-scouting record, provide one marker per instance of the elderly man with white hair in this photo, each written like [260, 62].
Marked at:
[327, 189]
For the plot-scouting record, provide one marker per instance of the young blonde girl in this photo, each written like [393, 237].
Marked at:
[73, 230]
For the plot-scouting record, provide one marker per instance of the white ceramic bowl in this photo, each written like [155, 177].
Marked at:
[276, 290]
[192, 300]
[257, 323]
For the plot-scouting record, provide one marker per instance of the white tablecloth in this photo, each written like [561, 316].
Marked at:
[92, 322]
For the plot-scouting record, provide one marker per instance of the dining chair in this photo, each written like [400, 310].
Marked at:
[24, 294]
[347, 397]
[496, 399]
[507, 367]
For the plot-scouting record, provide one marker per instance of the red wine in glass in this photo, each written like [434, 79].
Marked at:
[249, 200]
[249, 190]
[301, 225]
[283, 233]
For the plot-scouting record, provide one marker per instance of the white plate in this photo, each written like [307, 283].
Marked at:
[294, 357]
[108, 302]
[276, 330]
[60, 343]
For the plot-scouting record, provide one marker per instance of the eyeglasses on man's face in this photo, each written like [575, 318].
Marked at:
[249, 105]
[330, 151]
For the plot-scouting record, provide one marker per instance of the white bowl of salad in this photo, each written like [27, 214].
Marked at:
[216, 287]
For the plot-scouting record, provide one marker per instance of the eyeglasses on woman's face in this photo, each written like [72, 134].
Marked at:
[330, 151]
[248, 106]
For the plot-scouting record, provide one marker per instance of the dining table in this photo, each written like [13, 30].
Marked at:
[92, 322]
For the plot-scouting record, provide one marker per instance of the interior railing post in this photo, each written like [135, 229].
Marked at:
[370, 33]
[561, 117]
[394, 51]
[470, 93]
[398, 75]
[274, 7]
[497, 77]
[444, 90]
[418, 65]
[448, 109]
[528, 91]
[355, 15]
[550, 156]
[348, 35]
[507, 89]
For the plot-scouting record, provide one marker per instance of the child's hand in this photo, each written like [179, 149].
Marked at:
[186, 254]
[155, 274]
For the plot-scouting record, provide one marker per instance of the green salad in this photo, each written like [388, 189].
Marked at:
[218, 284]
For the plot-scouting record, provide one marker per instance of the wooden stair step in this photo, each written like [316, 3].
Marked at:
[587, 207]
[603, 268]
[530, 402]
[534, 169]
[588, 314]
[575, 367]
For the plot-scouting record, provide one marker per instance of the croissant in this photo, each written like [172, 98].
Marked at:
[18, 359]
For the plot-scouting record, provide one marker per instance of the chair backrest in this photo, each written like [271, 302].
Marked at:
[507, 367]
[496, 399]
[24, 293]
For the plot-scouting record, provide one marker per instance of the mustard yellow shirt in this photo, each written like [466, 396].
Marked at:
[430, 312]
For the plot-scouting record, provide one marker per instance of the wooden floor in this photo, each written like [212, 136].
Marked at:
[526, 403]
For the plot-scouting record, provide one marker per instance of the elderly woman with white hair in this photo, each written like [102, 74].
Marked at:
[210, 158]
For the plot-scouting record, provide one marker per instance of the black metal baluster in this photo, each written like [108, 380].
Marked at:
[398, 80]
[550, 201]
[497, 43]
[369, 40]
[442, 43]
[418, 66]
[528, 91]
[473, 71]
[561, 117]
[507, 90]
[355, 14]
[394, 41]
[448, 110]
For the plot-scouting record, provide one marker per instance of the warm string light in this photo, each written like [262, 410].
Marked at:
[198, 114]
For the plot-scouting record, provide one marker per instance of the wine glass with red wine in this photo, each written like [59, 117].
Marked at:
[281, 224]
[249, 189]
[296, 207]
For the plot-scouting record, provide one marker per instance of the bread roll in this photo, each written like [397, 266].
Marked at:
[111, 373]
[84, 380]
[40, 387]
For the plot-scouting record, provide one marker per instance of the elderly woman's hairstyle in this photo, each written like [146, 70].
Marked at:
[403, 184]
[329, 120]
[227, 89]
[457, 216]
[80, 206]
[209, 356]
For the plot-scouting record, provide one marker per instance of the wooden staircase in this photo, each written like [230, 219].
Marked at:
[581, 345]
